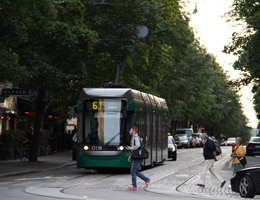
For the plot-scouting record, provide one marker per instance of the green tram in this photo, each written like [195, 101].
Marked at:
[105, 116]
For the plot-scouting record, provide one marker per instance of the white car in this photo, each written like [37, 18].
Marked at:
[230, 141]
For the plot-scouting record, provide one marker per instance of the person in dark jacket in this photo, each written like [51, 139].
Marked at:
[30, 134]
[209, 153]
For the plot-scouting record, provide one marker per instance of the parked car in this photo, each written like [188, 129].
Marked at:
[188, 132]
[253, 146]
[172, 148]
[223, 143]
[182, 140]
[230, 141]
[198, 141]
[246, 182]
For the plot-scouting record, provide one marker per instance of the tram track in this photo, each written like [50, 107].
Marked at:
[182, 169]
[88, 182]
[61, 190]
[65, 189]
[191, 177]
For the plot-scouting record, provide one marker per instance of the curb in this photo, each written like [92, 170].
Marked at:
[37, 171]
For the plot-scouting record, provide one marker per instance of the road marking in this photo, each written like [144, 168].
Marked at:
[40, 178]
[230, 165]
[182, 175]
[191, 177]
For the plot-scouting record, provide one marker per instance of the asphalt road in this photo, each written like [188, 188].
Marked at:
[171, 179]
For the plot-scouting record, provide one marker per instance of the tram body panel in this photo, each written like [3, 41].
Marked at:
[92, 162]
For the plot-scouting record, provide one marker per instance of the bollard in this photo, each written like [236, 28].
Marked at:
[233, 147]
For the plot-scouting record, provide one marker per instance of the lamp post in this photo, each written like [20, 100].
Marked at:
[195, 10]
[117, 53]
[119, 56]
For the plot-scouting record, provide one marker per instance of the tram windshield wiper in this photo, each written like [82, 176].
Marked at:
[108, 143]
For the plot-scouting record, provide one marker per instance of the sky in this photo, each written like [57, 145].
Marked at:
[214, 32]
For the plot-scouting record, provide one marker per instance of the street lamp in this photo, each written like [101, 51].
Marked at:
[195, 10]
[118, 53]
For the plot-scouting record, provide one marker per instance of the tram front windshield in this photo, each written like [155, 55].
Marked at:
[103, 121]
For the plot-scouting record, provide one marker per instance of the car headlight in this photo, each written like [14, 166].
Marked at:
[86, 148]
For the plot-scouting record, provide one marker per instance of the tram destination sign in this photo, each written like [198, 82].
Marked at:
[15, 92]
[104, 104]
[108, 106]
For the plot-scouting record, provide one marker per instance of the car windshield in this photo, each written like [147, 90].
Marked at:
[170, 140]
[103, 122]
[255, 139]
[180, 138]
[196, 135]
[188, 132]
[231, 139]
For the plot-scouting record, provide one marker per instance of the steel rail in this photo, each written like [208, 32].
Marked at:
[191, 177]
[218, 163]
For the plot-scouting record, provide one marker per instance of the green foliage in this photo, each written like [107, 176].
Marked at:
[12, 139]
[245, 44]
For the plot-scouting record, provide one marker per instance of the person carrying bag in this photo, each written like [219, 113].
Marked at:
[137, 157]
[140, 153]
[239, 154]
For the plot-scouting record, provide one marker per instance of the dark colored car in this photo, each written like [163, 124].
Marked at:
[172, 148]
[246, 182]
[188, 132]
[253, 147]
[182, 140]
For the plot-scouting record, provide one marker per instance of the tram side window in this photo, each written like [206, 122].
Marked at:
[159, 129]
[154, 129]
[148, 129]
[140, 125]
[165, 131]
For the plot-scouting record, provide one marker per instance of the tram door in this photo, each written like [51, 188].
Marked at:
[159, 139]
[148, 139]
[154, 132]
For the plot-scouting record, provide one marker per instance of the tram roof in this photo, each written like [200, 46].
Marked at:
[126, 93]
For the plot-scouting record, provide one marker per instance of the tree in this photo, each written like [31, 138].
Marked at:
[60, 50]
[53, 43]
[245, 44]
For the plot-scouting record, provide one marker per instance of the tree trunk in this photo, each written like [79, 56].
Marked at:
[186, 123]
[37, 125]
[174, 124]
[172, 127]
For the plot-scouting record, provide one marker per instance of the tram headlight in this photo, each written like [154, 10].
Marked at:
[86, 148]
[121, 148]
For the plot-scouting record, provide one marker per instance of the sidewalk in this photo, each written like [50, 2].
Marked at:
[45, 163]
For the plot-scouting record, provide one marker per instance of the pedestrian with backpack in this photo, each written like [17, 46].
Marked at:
[209, 153]
[135, 144]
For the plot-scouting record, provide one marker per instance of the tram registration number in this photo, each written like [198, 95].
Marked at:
[96, 148]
